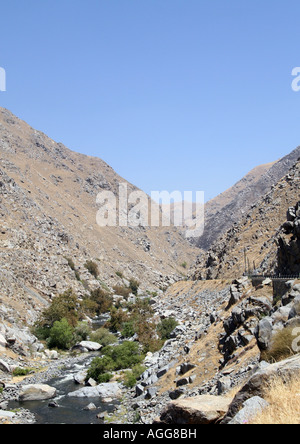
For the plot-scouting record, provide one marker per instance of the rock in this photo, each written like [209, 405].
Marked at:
[36, 392]
[184, 368]
[106, 390]
[224, 384]
[53, 404]
[183, 381]
[151, 392]
[264, 334]
[3, 342]
[4, 366]
[139, 390]
[51, 354]
[205, 409]
[80, 377]
[6, 415]
[176, 393]
[90, 346]
[90, 407]
[257, 383]
[162, 371]
[295, 310]
[251, 408]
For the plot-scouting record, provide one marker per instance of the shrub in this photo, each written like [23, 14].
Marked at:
[128, 330]
[134, 286]
[117, 319]
[281, 346]
[64, 306]
[103, 337]
[100, 367]
[132, 376]
[122, 291]
[92, 268]
[126, 355]
[61, 335]
[103, 300]
[70, 263]
[81, 332]
[166, 327]
[22, 371]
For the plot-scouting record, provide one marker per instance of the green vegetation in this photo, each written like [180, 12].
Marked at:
[103, 337]
[131, 377]
[166, 327]
[61, 335]
[22, 371]
[124, 356]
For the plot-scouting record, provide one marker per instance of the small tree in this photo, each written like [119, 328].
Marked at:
[166, 327]
[61, 335]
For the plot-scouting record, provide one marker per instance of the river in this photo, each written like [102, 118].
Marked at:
[70, 410]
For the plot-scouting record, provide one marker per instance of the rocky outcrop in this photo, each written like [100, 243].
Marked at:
[199, 410]
[288, 257]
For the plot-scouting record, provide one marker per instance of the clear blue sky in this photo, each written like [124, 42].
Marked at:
[173, 94]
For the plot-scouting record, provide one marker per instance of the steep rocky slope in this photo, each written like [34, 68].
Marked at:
[229, 207]
[48, 212]
[251, 244]
[48, 232]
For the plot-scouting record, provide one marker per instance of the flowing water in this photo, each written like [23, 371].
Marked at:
[70, 410]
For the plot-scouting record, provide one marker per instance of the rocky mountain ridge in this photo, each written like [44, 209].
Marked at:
[232, 205]
[251, 244]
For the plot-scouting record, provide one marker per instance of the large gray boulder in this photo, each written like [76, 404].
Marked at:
[106, 390]
[251, 408]
[36, 392]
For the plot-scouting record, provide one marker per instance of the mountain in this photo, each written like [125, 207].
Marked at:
[48, 214]
[229, 207]
[252, 243]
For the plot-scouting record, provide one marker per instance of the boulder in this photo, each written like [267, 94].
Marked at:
[257, 383]
[4, 366]
[251, 408]
[90, 346]
[36, 392]
[205, 409]
[106, 390]
[264, 334]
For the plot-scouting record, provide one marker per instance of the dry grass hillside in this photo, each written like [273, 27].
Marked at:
[48, 213]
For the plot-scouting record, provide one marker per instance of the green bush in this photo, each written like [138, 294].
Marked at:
[134, 286]
[166, 327]
[22, 371]
[131, 377]
[128, 330]
[126, 355]
[64, 306]
[103, 337]
[100, 367]
[61, 335]
[81, 332]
